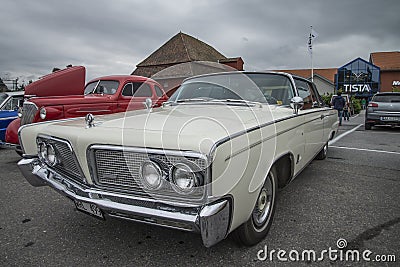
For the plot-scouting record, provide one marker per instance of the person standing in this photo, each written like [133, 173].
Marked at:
[346, 112]
[338, 103]
[363, 102]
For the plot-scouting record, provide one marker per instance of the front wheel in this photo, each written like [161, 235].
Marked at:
[367, 126]
[323, 153]
[257, 226]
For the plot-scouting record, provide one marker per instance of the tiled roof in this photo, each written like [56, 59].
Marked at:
[386, 60]
[179, 49]
[328, 74]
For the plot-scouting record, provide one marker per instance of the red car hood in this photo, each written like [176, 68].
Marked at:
[69, 81]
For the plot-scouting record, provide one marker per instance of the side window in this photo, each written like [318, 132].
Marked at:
[128, 90]
[305, 91]
[143, 90]
[12, 104]
[159, 92]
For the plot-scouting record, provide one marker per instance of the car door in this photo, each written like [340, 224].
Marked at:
[133, 95]
[313, 118]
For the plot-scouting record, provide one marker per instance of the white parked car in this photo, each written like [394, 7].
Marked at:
[210, 160]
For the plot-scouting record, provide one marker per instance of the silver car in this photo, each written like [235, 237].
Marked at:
[383, 109]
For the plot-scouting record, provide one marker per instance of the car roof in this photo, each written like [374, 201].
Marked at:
[388, 93]
[121, 78]
[242, 72]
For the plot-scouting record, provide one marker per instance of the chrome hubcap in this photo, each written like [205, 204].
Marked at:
[262, 209]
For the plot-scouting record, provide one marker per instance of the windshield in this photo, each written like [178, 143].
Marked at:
[389, 98]
[3, 96]
[102, 87]
[265, 88]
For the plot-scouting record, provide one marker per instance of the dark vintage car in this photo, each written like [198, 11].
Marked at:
[383, 109]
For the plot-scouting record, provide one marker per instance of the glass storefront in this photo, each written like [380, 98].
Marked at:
[359, 78]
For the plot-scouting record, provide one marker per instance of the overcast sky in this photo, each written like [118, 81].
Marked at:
[112, 37]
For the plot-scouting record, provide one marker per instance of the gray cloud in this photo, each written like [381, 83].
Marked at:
[111, 37]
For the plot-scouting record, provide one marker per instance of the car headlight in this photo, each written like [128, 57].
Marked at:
[20, 112]
[51, 155]
[42, 151]
[185, 178]
[43, 113]
[47, 153]
[151, 175]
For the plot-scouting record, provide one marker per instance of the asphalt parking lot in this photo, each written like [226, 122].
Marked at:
[353, 195]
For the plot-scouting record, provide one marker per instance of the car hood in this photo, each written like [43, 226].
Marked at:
[69, 81]
[184, 127]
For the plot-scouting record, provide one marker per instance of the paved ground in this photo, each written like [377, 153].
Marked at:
[353, 195]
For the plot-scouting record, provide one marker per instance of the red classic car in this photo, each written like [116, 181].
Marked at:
[104, 95]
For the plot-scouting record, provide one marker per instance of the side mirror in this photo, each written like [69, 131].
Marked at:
[148, 104]
[296, 103]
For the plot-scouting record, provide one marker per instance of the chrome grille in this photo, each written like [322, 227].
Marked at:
[68, 165]
[120, 168]
[28, 112]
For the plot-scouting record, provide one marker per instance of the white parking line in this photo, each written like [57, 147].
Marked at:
[337, 138]
[364, 149]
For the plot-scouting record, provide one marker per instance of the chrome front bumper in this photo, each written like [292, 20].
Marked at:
[211, 220]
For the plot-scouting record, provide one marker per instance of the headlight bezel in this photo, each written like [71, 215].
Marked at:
[51, 158]
[196, 181]
[159, 172]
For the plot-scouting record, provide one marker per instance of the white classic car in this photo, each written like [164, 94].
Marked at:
[210, 160]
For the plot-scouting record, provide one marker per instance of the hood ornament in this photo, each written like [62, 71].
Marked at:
[89, 118]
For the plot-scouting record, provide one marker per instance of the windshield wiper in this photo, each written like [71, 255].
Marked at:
[198, 99]
[237, 101]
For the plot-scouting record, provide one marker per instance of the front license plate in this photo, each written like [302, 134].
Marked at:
[390, 118]
[89, 208]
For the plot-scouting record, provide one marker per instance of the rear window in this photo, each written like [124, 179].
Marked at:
[389, 98]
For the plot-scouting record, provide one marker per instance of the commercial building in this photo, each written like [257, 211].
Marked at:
[358, 77]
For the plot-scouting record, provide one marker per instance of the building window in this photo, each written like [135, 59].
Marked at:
[359, 78]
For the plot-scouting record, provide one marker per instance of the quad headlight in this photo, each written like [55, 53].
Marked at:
[185, 178]
[151, 175]
[182, 177]
[47, 153]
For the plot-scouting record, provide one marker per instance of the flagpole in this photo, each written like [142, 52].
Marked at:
[312, 65]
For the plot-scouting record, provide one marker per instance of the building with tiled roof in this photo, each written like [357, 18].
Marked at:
[389, 63]
[183, 49]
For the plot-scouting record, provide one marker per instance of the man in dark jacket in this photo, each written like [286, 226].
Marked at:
[338, 103]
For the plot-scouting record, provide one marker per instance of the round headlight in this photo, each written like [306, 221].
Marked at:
[185, 178]
[42, 113]
[42, 151]
[151, 175]
[51, 155]
[20, 112]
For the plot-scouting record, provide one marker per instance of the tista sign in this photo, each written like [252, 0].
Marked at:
[357, 88]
